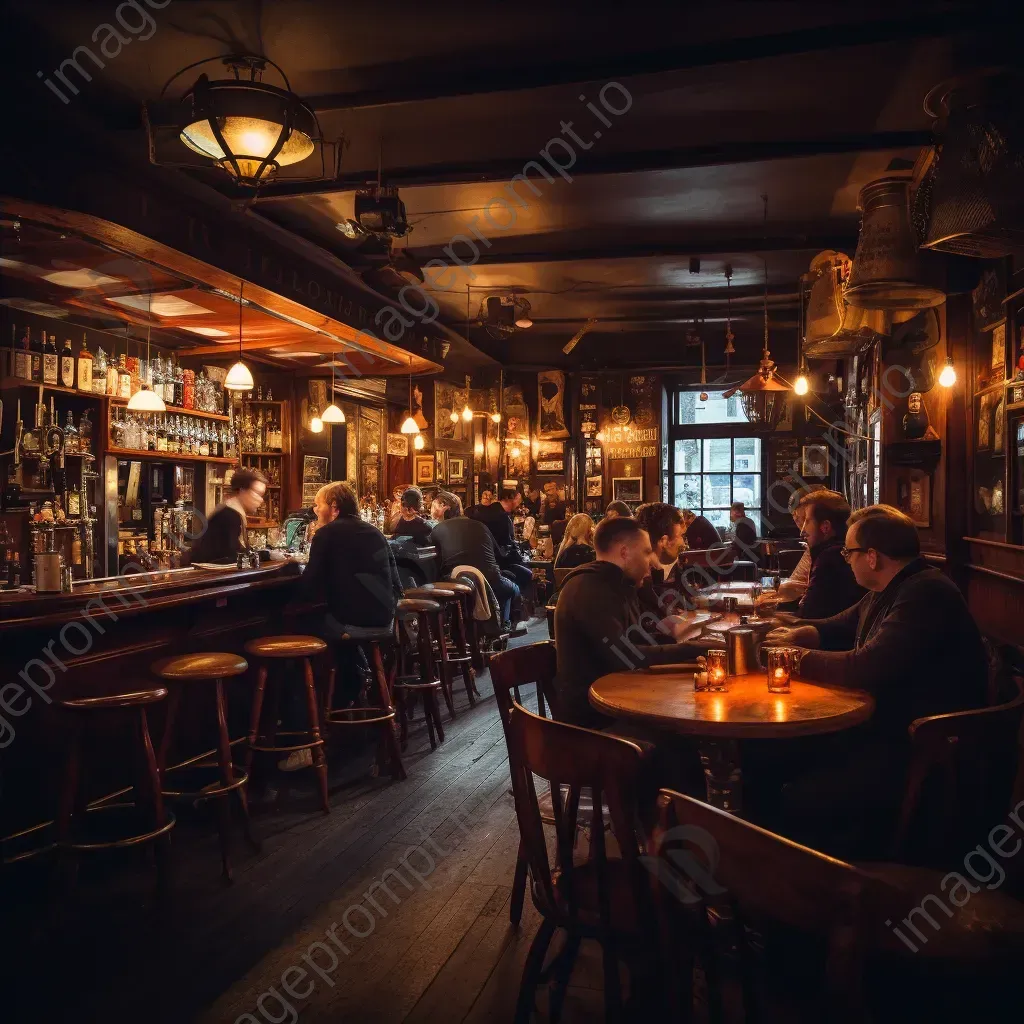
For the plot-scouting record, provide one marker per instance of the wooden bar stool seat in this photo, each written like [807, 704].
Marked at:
[382, 713]
[276, 648]
[452, 647]
[201, 778]
[412, 678]
[109, 826]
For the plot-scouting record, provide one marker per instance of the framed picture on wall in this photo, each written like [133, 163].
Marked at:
[456, 470]
[424, 466]
[628, 488]
[814, 461]
[398, 444]
[914, 496]
[594, 486]
[999, 350]
[442, 465]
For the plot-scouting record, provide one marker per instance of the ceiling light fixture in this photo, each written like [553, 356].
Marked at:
[418, 442]
[333, 413]
[249, 129]
[239, 378]
[145, 399]
[410, 426]
[801, 385]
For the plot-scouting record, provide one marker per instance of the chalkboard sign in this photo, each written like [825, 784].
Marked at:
[787, 457]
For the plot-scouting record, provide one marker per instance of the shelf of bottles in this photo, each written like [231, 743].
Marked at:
[184, 436]
[263, 433]
[34, 358]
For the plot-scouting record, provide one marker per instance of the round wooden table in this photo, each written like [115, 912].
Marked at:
[666, 700]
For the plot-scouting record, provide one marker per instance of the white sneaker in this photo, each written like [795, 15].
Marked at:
[297, 759]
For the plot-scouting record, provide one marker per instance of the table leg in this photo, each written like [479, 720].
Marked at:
[721, 762]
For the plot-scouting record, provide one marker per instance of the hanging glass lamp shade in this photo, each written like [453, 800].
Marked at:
[146, 400]
[239, 378]
[763, 397]
[250, 130]
[316, 425]
[418, 442]
[332, 414]
[409, 426]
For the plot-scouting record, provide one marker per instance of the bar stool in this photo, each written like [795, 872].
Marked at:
[454, 647]
[272, 648]
[426, 615]
[113, 826]
[202, 779]
[381, 715]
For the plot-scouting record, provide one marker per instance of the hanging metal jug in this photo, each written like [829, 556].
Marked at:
[835, 328]
[885, 272]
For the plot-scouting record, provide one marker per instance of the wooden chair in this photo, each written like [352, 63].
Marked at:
[972, 755]
[727, 888]
[605, 899]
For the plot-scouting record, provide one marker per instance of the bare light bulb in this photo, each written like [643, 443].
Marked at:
[599, 436]
[801, 386]
[316, 425]
[948, 376]
[495, 417]
[515, 451]
[418, 442]
[467, 414]
[454, 417]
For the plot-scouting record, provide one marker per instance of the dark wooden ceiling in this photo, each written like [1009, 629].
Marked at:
[802, 102]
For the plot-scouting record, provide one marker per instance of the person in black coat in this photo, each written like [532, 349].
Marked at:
[497, 517]
[224, 536]
[411, 522]
[832, 587]
[352, 570]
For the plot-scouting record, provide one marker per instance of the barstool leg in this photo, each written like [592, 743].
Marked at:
[431, 712]
[173, 702]
[67, 862]
[151, 781]
[227, 776]
[446, 669]
[462, 641]
[319, 760]
[387, 728]
[254, 717]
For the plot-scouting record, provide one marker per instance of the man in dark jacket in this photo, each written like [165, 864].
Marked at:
[497, 517]
[410, 521]
[832, 587]
[463, 541]
[599, 626]
[913, 644]
[224, 536]
[700, 532]
[664, 589]
[352, 570]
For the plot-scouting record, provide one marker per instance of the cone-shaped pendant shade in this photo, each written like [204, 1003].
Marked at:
[145, 400]
[332, 414]
[410, 426]
[239, 378]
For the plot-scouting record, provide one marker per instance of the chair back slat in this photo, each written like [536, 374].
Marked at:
[533, 663]
[565, 755]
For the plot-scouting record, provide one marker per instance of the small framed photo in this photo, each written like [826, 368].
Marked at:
[814, 461]
[999, 350]
[424, 469]
[398, 444]
[442, 465]
[627, 488]
[595, 486]
[456, 470]
[914, 495]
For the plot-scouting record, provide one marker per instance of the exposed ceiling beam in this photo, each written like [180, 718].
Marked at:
[674, 158]
[411, 82]
[795, 242]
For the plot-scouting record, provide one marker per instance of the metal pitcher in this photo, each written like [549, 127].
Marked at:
[741, 651]
[47, 572]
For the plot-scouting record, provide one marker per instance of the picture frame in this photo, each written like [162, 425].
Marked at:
[456, 470]
[983, 431]
[814, 461]
[442, 465]
[424, 469]
[551, 466]
[398, 444]
[919, 498]
[999, 350]
[595, 486]
[628, 488]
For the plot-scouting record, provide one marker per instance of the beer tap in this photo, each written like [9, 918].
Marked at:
[53, 449]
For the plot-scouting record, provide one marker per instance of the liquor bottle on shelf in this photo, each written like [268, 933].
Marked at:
[124, 377]
[50, 359]
[71, 436]
[67, 365]
[99, 372]
[204, 441]
[22, 357]
[111, 385]
[36, 359]
[179, 386]
[158, 377]
[85, 364]
[85, 433]
[150, 434]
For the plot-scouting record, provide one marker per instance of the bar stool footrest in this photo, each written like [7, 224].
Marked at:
[111, 826]
[201, 782]
[373, 716]
[268, 748]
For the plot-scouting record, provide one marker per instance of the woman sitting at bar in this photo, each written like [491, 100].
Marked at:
[577, 547]
[224, 536]
[411, 522]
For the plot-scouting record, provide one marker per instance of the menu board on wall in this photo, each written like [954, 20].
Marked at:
[787, 458]
[314, 476]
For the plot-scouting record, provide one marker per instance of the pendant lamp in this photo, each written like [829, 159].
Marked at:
[333, 412]
[239, 378]
[418, 442]
[146, 399]
[409, 425]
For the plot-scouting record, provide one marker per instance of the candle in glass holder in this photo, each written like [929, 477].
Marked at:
[778, 670]
[717, 671]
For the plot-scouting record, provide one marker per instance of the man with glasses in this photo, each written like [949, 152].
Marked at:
[911, 642]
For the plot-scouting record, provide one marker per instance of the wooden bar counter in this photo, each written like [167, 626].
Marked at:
[103, 638]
